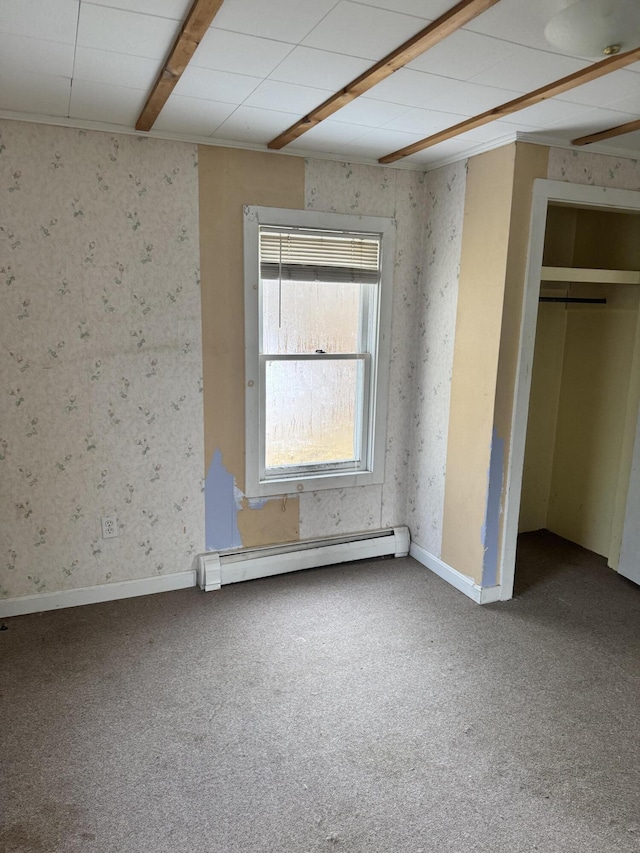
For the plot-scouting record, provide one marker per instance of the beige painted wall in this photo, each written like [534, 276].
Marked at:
[607, 240]
[493, 261]
[544, 399]
[483, 265]
[591, 421]
[229, 179]
[560, 236]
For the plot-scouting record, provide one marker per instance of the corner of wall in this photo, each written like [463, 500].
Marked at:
[483, 265]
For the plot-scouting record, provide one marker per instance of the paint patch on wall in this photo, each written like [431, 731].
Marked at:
[491, 526]
[221, 507]
[255, 503]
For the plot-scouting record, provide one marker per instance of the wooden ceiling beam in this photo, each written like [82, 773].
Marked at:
[565, 84]
[439, 29]
[628, 127]
[192, 32]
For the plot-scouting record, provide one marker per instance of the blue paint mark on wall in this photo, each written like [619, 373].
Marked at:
[257, 503]
[220, 508]
[491, 527]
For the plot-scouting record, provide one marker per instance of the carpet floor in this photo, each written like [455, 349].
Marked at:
[368, 708]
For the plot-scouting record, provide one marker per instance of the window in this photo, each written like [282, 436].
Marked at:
[317, 316]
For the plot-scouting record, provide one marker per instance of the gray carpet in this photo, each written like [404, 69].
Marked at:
[367, 708]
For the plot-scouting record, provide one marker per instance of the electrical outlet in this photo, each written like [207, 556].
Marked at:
[109, 526]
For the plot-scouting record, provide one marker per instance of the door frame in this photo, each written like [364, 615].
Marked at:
[576, 195]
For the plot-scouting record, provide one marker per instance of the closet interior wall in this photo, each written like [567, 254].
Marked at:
[585, 387]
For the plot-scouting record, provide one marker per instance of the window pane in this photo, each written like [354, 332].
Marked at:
[305, 316]
[311, 411]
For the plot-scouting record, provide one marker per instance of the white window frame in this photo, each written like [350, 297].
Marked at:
[371, 471]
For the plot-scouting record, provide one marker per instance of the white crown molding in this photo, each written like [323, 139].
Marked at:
[194, 139]
[595, 148]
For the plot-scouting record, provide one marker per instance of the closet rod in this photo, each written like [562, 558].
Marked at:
[572, 299]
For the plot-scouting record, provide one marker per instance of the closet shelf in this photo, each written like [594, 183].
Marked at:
[582, 275]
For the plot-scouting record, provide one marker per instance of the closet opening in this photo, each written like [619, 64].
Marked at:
[578, 402]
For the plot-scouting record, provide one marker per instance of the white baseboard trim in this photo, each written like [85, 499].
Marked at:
[182, 580]
[490, 594]
[95, 594]
[479, 594]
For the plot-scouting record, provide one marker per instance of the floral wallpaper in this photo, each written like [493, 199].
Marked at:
[600, 170]
[101, 358]
[432, 353]
[372, 191]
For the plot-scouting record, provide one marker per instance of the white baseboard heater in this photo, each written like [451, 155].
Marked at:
[222, 567]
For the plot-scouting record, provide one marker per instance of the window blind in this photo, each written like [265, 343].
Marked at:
[304, 255]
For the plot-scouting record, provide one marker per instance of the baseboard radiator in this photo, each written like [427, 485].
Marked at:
[216, 568]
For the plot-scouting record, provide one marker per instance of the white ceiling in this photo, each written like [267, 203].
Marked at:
[265, 63]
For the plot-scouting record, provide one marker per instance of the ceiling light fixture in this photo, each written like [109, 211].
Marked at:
[595, 27]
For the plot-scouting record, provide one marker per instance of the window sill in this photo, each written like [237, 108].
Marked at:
[296, 486]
